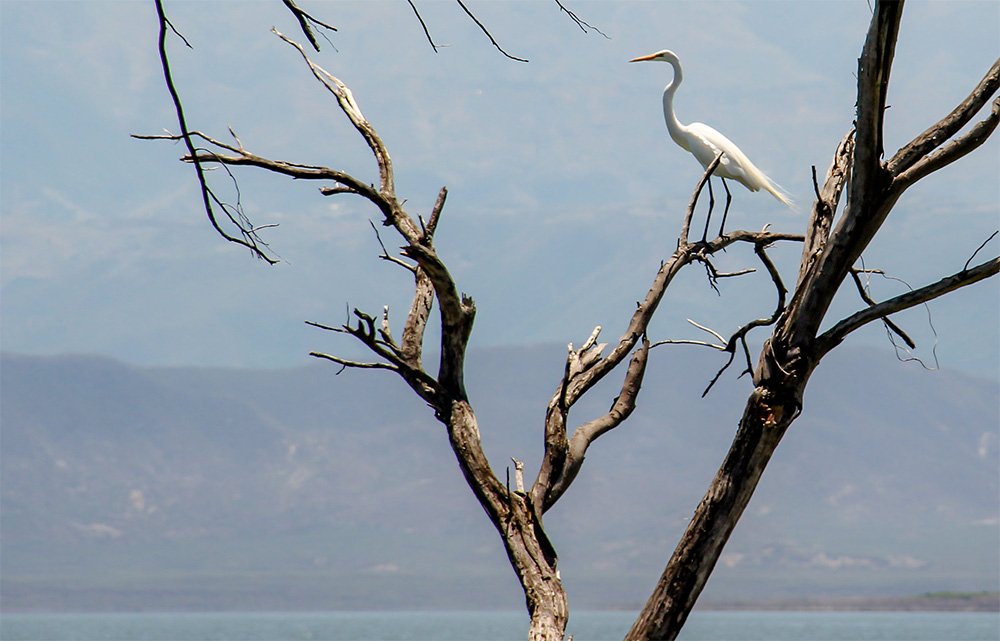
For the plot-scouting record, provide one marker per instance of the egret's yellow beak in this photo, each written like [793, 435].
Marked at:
[640, 59]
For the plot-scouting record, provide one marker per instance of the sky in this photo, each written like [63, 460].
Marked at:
[565, 191]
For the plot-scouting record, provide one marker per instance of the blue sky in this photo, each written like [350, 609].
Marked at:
[565, 189]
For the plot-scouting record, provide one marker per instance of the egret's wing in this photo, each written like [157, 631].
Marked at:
[707, 143]
[735, 165]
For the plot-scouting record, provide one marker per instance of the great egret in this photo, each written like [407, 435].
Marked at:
[705, 144]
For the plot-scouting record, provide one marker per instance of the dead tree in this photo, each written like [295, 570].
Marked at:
[795, 348]
[831, 248]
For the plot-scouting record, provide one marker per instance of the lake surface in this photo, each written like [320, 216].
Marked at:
[494, 626]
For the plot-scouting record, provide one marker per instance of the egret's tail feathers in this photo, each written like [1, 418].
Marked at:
[756, 180]
[780, 194]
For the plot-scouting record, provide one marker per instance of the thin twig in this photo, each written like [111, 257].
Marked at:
[354, 364]
[992, 236]
[326, 327]
[487, 32]
[385, 252]
[739, 336]
[706, 329]
[424, 26]
[685, 341]
[718, 375]
[584, 26]
[742, 272]
[891, 326]
[866, 297]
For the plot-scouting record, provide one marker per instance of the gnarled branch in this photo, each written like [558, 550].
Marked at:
[345, 98]
[584, 435]
[948, 126]
[561, 463]
[950, 152]
[832, 337]
[827, 200]
[248, 233]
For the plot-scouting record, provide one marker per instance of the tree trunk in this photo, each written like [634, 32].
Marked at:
[519, 525]
[767, 415]
[550, 614]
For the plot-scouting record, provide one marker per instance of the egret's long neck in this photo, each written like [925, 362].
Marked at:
[675, 128]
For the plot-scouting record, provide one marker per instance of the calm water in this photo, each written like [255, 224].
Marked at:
[494, 626]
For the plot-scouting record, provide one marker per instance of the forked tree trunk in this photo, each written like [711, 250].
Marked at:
[528, 549]
[534, 561]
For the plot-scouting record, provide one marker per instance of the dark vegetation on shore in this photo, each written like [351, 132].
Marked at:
[943, 601]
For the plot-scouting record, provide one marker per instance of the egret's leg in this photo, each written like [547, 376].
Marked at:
[711, 206]
[729, 199]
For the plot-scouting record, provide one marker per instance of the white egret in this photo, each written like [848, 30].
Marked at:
[705, 143]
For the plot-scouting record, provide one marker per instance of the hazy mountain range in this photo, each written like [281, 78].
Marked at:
[165, 488]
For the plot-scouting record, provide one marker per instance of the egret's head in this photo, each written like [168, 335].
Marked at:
[660, 56]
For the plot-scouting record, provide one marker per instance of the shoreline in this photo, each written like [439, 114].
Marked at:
[929, 602]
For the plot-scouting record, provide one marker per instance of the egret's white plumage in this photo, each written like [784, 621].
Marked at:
[705, 143]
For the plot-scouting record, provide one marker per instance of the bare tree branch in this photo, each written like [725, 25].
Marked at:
[827, 200]
[833, 337]
[688, 341]
[584, 26]
[249, 238]
[385, 252]
[306, 21]
[587, 433]
[739, 336]
[431, 227]
[423, 25]
[483, 28]
[891, 326]
[978, 249]
[873, 74]
[411, 346]
[387, 189]
[867, 205]
[457, 314]
[559, 468]
[948, 126]
[710, 331]
[349, 184]
[300, 172]
[422, 383]
[951, 151]
[353, 364]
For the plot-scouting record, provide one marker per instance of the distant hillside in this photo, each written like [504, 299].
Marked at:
[181, 488]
